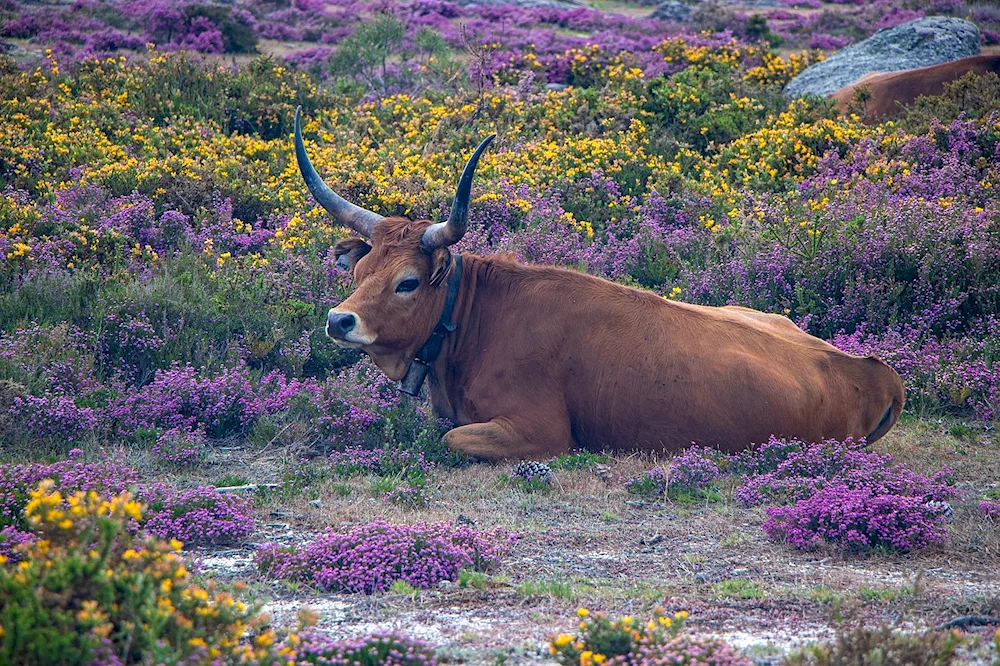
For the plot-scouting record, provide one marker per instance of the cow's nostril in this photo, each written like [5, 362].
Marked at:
[341, 323]
[347, 323]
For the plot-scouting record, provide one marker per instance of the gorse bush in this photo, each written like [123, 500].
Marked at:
[370, 558]
[87, 591]
[624, 641]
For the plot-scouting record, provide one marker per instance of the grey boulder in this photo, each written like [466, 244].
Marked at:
[920, 43]
[673, 10]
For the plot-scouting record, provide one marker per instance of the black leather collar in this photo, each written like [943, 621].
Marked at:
[421, 365]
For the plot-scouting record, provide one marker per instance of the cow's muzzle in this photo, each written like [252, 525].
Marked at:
[347, 330]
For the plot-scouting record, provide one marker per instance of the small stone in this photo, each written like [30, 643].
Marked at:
[940, 509]
[316, 503]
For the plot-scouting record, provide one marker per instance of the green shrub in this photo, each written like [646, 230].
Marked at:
[972, 95]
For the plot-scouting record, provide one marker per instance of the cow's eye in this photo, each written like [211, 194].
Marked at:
[407, 286]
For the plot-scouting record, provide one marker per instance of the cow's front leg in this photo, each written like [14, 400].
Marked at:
[505, 438]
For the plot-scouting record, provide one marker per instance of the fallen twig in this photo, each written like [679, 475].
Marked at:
[967, 621]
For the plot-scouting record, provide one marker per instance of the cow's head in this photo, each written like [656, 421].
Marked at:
[400, 269]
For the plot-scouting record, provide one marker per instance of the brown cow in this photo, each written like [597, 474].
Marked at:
[535, 360]
[887, 91]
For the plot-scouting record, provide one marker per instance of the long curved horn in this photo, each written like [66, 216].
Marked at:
[447, 233]
[341, 210]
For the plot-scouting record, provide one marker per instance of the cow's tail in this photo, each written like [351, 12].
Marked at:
[893, 396]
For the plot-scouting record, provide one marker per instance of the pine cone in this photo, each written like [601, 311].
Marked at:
[530, 470]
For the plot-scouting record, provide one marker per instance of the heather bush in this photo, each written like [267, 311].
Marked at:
[691, 651]
[990, 508]
[196, 516]
[650, 483]
[856, 519]
[54, 358]
[838, 494]
[379, 462]
[52, 416]
[179, 447]
[183, 398]
[381, 649]
[361, 409]
[691, 474]
[369, 558]
[89, 591]
[693, 471]
[12, 541]
[409, 497]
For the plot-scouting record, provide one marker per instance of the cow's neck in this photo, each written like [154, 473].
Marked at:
[447, 374]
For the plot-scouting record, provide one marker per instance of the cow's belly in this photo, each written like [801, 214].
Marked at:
[729, 402]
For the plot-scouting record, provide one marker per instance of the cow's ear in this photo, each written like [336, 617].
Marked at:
[349, 251]
[440, 262]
